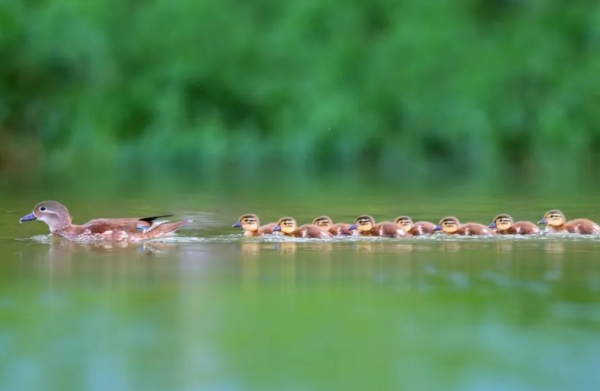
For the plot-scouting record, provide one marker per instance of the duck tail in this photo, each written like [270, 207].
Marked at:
[163, 228]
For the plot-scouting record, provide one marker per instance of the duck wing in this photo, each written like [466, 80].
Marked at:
[129, 225]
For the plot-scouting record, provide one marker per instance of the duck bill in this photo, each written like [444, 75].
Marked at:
[237, 225]
[276, 228]
[352, 227]
[29, 217]
[437, 228]
[543, 221]
[492, 226]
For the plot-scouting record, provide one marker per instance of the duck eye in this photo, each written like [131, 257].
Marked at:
[42, 208]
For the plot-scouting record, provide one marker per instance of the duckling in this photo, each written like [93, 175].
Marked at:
[451, 226]
[289, 227]
[504, 225]
[252, 227]
[339, 229]
[556, 222]
[58, 219]
[415, 229]
[365, 225]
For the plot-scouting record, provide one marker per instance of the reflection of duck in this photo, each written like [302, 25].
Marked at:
[289, 227]
[452, 226]
[250, 248]
[252, 227]
[556, 222]
[504, 225]
[338, 229]
[415, 229]
[366, 227]
[58, 219]
[63, 247]
[286, 248]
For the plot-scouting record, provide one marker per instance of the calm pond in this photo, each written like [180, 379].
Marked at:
[210, 310]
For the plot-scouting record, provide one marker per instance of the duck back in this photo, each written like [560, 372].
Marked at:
[340, 229]
[421, 228]
[311, 231]
[389, 230]
[582, 226]
[470, 229]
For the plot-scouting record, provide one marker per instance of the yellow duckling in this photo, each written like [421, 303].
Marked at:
[366, 226]
[339, 229]
[415, 229]
[252, 227]
[504, 225]
[451, 226]
[289, 227]
[556, 222]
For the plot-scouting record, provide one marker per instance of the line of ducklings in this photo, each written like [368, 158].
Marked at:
[323, 227]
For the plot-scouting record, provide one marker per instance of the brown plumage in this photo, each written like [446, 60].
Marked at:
[415, 229]
[366, 226]
[251, 225]
[339, 229]
[452, 226]
[556, 222]
[504, 225]
[289, 227]
[58, 219]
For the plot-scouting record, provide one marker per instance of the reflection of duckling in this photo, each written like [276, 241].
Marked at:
[451, 226]
[556, 222]
[289, 227]
[366, 227]
[504, 225]
[415, 229]
[251, 226]
[339, 229]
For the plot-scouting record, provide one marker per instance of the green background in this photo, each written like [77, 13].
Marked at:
[468, 88]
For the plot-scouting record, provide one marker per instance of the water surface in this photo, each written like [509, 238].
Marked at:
[211, 310]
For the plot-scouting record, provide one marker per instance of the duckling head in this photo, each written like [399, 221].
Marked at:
[501, 222]
[323, 222]
[363, 223]
[248, 222]
[553, 218]
[404, 222]
[448, 224]
[53, 213]
[287, 225]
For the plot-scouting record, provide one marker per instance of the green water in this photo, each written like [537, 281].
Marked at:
[224, 313]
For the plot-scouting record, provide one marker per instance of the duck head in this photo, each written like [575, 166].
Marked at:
[404, 222]
[287, 225]
[553, 218]
[363, 223]
[501, 222]
[448, 225]
[323, 222]
[54, 214]
[248, 222]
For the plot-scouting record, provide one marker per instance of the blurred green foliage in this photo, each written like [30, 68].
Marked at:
[400, 87]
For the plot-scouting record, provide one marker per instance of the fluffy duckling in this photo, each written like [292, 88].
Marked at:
[58, 219]
[556, 222]
[504, 225]
[252, 227]
[366, 226]
[339, 229]
[289, 227]
[452, 226]
[415, 229]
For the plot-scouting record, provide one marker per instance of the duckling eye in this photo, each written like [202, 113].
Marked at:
[42, 208]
